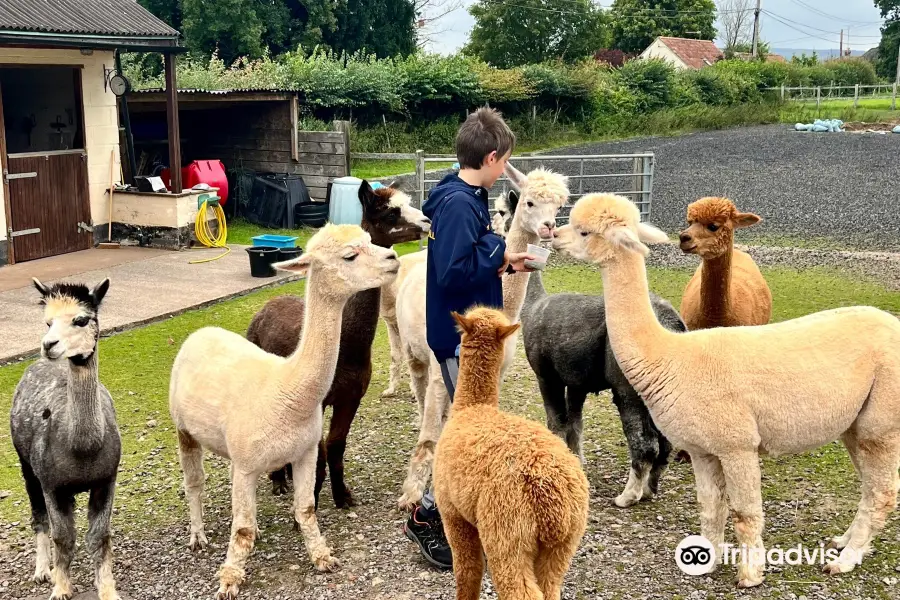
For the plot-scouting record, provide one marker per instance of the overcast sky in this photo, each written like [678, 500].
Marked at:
[819, 23]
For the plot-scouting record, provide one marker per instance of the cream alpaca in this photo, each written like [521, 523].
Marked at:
[484, 455]
[727, 289]
[542, 194]
[728, 395]
[263, 411]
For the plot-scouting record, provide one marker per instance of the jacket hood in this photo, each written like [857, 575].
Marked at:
[450, 183]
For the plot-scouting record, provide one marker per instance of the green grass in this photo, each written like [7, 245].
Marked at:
[135, 367]
[803, 112]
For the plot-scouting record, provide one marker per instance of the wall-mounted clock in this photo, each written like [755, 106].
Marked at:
[119, 84]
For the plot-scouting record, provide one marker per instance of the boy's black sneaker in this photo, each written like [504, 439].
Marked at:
[429, 535]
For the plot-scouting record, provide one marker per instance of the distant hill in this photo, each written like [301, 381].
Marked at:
[831, 53]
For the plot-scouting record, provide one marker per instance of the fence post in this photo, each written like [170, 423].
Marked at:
[344, 128]
[782, 92]
[420, 184]
[856, 96]
[894, 97]
[818, 95]
[637, 181]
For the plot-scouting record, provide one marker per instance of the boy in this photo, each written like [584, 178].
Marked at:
[465, 262]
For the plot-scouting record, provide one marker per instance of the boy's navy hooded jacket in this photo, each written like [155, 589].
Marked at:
[464, 255]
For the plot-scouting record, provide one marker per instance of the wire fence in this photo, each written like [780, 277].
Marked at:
[886, 92]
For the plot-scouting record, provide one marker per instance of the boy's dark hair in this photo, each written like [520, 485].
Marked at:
[483, 132]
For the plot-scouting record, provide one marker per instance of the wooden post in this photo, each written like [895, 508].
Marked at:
[782, 92]
[174, 127]
[295, 126]
[344, 128]
[420, 184]
[856, 95]
[818, 95]
[894, 97]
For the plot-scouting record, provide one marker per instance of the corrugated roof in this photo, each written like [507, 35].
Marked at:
[159, 90]
[85, 17]
[696, 54]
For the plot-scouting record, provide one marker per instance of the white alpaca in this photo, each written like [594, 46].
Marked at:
[543, 193]
[263, 411]
[727, 395]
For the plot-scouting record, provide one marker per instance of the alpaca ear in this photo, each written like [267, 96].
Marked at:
[623, 237]
[742, 220]
[651, 235]
[507, 330]
[516, 178]
[512, 201]
[464, 325]
[395, 185]
[40, 287]
[99, 292]
[299, 265]
[366, 193]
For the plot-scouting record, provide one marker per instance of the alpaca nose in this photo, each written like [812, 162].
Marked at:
[426, 220]
[551, 225]
[49, 344]
[685, 238]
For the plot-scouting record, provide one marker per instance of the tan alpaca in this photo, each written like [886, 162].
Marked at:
[388, 312]
[507, 486]
[542, 193]
[728, 395]
[727, 289]
[263, 411]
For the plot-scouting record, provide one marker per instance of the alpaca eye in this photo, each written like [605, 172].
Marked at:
[351, 258]
[584, 234]
[502, 213]
[713, 227]
[529, 204]
[81, 321]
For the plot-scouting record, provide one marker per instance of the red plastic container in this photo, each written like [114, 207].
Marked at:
[211, 172]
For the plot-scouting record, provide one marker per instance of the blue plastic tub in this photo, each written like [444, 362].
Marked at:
[275, 241]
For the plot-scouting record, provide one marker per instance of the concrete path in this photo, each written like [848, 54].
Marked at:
[151, 287]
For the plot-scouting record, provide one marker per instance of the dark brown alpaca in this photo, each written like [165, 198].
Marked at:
[389, 219]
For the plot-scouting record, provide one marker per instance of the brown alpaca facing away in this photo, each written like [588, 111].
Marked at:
[727, 290]
[506, 486]
[277, 327]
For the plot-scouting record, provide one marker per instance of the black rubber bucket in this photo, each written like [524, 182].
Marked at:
[261, 259]
[289, 253]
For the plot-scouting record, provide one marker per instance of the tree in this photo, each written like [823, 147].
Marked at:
[380, 27]
[890, 38]
[636, 23]
[509, 34]
[429, 14]
[762, 49]
[736, 21]
[168, 11]
[232, 26]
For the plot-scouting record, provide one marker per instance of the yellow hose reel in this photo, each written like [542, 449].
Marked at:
[203, 231]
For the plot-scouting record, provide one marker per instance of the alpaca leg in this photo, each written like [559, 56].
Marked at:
[243, 533]
[744, 487]
[40, 523]
[660, 464]
[710, 483]
[305, 513]
[321, 470]
[418, 375]
[643, 446]
[420, 465]
[468, 556]
[511, 561]
[575, 398]
[341, 420]
[878, 473]
[61, 509]
[279, 482]
[850, 442]
[551, 566]
[190, 453]
[396, 358]
[553, 391]
[98, 542]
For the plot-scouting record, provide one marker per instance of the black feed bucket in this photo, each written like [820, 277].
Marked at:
[261, 259]
[289, 253]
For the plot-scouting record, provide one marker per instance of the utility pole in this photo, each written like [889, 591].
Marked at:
[842, 42]
[755, 51]
[898, 67]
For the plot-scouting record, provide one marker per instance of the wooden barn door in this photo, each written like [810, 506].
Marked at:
[49, 204]
[44, 164]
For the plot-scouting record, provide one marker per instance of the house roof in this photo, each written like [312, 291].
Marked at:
[696, 54]
[63, 18]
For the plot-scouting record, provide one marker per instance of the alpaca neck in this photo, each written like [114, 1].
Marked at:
[535, 290]
[478, 383]
[715, 288]
[85, 425]
[638, 341]
[515, 286]
[308, 373]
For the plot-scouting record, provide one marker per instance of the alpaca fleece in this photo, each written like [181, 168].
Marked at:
[506, 486]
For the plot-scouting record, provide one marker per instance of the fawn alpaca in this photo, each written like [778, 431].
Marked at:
[485, 455]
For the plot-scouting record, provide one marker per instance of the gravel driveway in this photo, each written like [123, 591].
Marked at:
[844, 187]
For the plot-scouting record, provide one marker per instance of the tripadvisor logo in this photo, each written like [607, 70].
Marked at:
[696, 555]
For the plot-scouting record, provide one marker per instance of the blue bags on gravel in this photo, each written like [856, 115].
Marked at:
[896, 129]
[821, 125]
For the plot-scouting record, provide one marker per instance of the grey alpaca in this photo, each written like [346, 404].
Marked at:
[568, 350]
[64, 430]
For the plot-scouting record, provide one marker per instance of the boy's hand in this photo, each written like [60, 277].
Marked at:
[516, 260]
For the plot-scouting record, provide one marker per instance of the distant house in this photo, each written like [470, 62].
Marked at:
[683, 53]
[772, 58]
